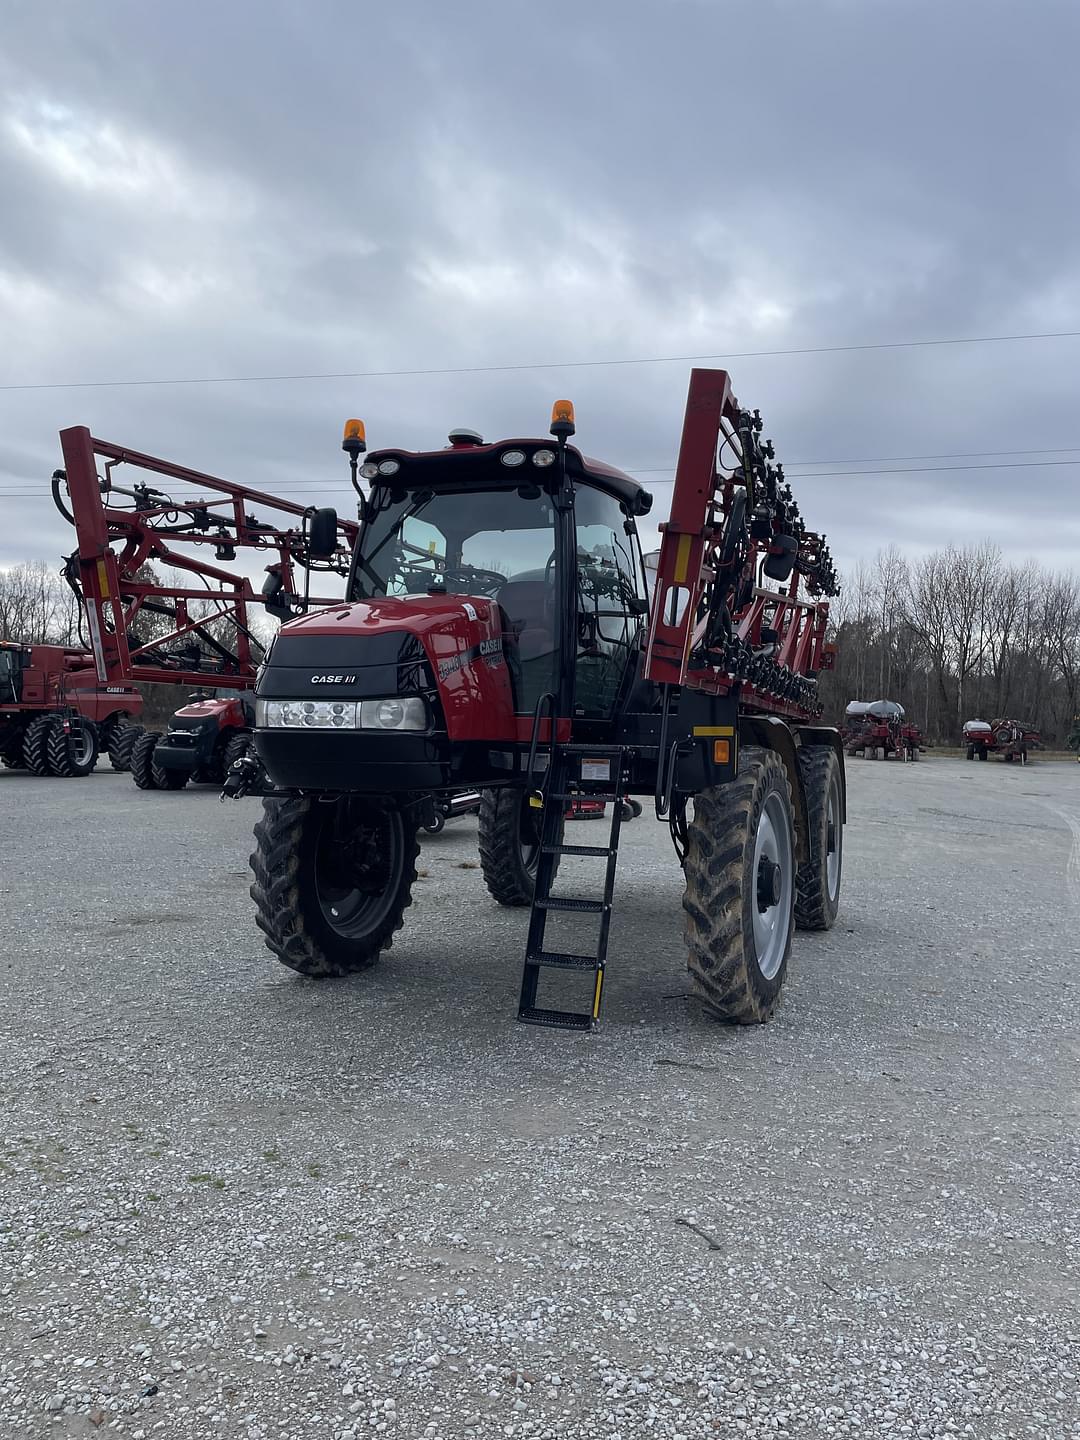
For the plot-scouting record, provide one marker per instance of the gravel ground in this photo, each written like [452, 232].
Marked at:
[238, 1203]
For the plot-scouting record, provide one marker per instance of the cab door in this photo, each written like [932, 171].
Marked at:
[612, 608]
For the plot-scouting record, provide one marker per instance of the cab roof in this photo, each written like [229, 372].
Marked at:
[479, 465]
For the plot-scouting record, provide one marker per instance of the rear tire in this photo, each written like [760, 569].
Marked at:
[121, 740]
[143, 770]
[509, 836]
[738, 953]
[817, 881]
[74, 753]
[36, 744]
[330, 901]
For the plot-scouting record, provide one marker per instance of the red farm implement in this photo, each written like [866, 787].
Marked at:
[1007, 738]
[878, 730]
[167, 599]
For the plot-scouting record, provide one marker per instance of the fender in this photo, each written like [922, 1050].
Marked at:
[773, 734]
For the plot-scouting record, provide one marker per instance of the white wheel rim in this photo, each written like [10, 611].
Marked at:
[772, 844]
[82, 747]
[834, 838]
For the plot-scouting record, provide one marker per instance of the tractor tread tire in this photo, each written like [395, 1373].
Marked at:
[508, 879]
[720, 893]
[36, 744]
[61, 762]
[236, 748]
[814, 908]
[143, 770]
[120, 743]
[278, 892]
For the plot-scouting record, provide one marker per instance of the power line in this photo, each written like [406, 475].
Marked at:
[550, 364]
[802, 475]
[42, 488]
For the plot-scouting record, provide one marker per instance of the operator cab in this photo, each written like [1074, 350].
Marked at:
[493, 522]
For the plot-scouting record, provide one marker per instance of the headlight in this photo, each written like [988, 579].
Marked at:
[407, 713]
[543, 458]
[369, 470]
[389, 467]
[306, 714]
[513, 458]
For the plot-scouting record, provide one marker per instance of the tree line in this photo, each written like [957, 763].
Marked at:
[959, 634]
[954, 635]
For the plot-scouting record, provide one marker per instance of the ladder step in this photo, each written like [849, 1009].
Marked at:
[576, 850]
[555, 960]
[577, 748]
[556, 1019]
[583, 907]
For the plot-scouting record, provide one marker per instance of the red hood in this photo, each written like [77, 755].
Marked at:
[419, 614]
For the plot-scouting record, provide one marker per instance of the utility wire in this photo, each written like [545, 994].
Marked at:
[33, 488]
[551, 364]
[802, 475]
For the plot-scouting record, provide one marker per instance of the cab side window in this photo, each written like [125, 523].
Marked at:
[611, 601]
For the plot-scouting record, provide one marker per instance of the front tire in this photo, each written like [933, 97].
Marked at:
[332, 881]
[817, 881]
[740, 890]
[35, 752]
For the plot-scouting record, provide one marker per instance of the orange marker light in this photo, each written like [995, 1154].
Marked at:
[721, 752]
[562, 412]
[355, 441]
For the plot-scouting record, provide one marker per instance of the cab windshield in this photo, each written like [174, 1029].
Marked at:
[488, 543]
[463, 542]
[496, 544]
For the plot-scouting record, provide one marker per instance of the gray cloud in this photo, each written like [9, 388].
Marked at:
[252, 188]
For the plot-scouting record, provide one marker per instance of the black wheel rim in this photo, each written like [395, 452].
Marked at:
[358, 860]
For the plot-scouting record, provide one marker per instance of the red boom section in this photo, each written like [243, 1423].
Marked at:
[716, 625]
[209, 640]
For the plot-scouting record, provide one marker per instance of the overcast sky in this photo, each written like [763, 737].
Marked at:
[236, 189]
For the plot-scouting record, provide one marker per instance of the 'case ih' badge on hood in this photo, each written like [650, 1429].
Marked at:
[333, 679]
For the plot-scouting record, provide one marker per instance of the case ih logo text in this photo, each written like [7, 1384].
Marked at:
[333, 679]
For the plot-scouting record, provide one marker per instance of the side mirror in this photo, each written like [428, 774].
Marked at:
[322, 533]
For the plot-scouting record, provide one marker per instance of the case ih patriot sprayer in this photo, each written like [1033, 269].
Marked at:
[55, 716]
[498, 634]
[193, 630]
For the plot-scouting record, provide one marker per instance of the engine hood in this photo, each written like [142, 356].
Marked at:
[416, 614]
